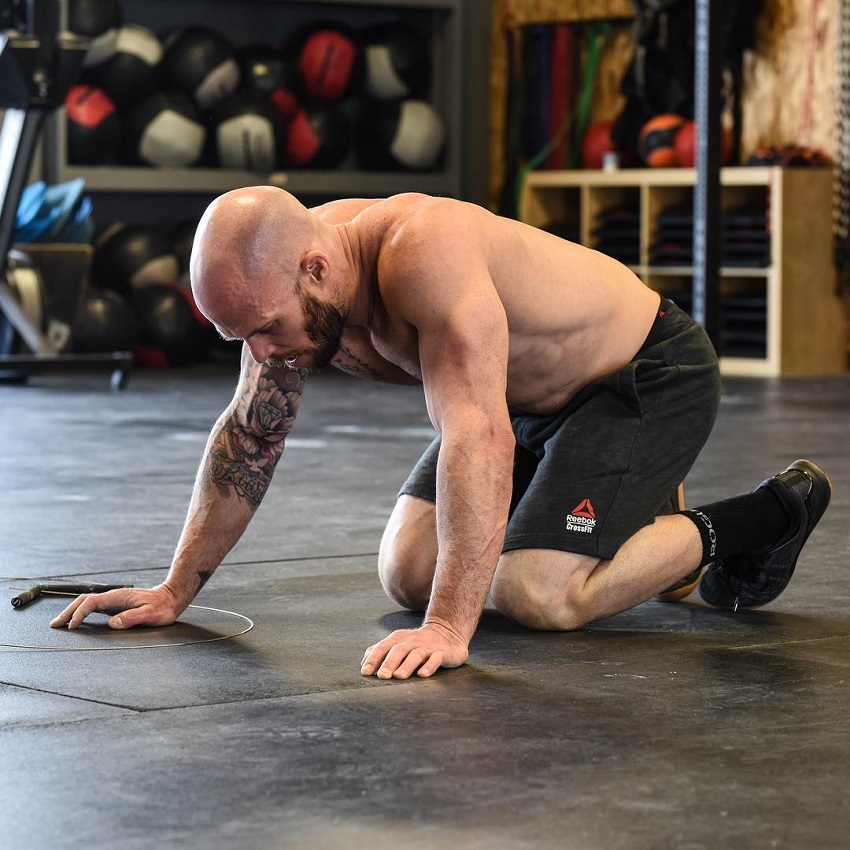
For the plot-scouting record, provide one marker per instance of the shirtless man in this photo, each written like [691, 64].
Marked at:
[570, 401]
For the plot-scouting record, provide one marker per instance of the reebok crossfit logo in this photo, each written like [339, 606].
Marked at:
[582, 518]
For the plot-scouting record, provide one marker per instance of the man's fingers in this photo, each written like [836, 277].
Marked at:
[131, 608]
[65, 615]
[410, 664]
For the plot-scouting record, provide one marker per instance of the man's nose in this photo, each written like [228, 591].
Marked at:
[260, 350]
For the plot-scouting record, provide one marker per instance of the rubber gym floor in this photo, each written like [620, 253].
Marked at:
[669, 726]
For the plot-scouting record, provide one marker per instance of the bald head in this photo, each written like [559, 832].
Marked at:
[247, 250]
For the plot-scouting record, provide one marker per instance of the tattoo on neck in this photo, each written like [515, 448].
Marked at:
[354, 365]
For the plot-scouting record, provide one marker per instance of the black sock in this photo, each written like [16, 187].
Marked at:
[740, 525]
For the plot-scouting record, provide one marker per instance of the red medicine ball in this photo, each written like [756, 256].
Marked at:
[685, 145]
[596, 143]
[330, 64]
[319, 137]
[656, 140]
[94, 128]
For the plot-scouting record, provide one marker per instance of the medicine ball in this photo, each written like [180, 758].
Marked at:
[596, 143]
[130, 256]
[172, 332]
[201, 63]
[330, 63]
[397, 62]
[685, 145]
[320, 137]
[94, 128]
[99, 21]
[104, 322]
[249, 133]
[132, 74]
[393, 135]
[656, 140]
[166, 130]
[268, 73]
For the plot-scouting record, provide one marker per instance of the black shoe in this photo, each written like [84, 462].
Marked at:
[748, 581]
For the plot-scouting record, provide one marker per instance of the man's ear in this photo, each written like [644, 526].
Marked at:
[315, 264]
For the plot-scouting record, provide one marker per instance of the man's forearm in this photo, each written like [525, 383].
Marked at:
[473, 497]
[234, 475]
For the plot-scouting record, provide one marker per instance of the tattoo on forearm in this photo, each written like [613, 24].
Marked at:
[203, 577]
[245, 451]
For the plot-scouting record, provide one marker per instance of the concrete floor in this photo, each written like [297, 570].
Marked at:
[670, 726]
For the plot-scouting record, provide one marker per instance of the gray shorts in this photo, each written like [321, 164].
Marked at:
[589, 476]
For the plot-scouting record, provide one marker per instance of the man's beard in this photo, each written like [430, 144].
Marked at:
[324, 324]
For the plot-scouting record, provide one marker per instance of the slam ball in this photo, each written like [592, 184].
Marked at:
[656, 140]
[132, 74]
[596, 143]
[320, 137]
[248, 132]
[166, 131]
[397, 62]
[94, 128]
[172, 332]
[104, 322]
[202, 64]
[99, 21]
[330, 63]
[129, 256]
[269, 74]
[393, 135]
[685, 145]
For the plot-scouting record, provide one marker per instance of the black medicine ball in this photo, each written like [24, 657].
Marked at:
[399, 135]
[104, 322]
[94, 128]
[166, 130]
[129, 256]
[202, 64]
[330, 64]
[397, 62]
[98, 20]
[249, 133]
[320, 137]
[172, 332]
[268, 73]
[132, 74]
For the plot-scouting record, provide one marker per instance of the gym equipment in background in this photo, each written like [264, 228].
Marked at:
[133, 72]
[319, 137]
[202, 64]
[38, 66]
[94, 128]
[330, 62]
[397, 62]
[129, 256]
[247, 132]
[99, 22]
[166, 130]
[399, 135]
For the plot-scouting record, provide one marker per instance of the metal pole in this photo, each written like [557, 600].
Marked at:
[707, 225]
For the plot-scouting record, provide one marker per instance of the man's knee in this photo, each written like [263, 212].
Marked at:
[542, 589]
[408, 554]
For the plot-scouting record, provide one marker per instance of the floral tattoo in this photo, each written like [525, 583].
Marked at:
[246, 450]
